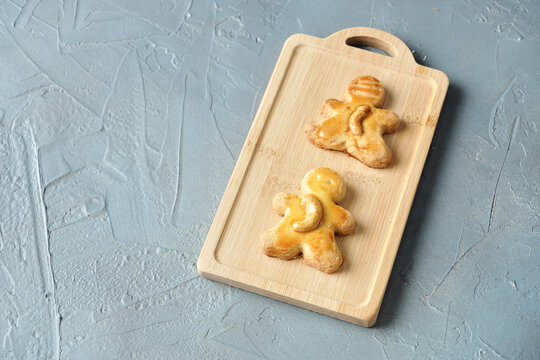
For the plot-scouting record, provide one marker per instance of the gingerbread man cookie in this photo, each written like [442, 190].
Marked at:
[309, 222]
[356, 126]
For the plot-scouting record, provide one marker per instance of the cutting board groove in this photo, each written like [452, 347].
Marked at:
[276, 155]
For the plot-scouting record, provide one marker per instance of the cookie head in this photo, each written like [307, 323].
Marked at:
[324, 181]
[366, 90]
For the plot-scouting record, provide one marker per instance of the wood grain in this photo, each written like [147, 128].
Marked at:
[276, 155]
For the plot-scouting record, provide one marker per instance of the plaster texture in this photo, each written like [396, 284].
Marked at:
[120, 124]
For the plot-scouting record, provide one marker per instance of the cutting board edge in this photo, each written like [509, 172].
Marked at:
[365, 316]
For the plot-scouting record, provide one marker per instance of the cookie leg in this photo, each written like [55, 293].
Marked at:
[270, 246]
[327, 261]
[374, 153]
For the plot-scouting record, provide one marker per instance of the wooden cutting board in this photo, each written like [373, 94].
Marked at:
[276, 155]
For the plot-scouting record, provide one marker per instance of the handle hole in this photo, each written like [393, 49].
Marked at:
[370, 44]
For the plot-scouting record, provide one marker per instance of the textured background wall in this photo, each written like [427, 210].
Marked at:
[120, 123]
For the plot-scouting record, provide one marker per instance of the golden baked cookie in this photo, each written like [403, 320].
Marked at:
[356, 126]
[309, 222]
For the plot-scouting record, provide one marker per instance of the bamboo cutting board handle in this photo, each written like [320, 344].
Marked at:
[347, 39]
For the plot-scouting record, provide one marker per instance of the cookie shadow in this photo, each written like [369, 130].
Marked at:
[423, 205]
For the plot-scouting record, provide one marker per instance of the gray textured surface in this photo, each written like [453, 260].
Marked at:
[121, 122]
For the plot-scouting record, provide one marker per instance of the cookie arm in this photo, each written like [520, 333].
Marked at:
[330, 106]
[388, 120]
[344, 221]
[279, 203]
